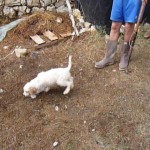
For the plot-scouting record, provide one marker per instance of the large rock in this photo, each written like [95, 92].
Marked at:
[12, 2]
[45, 2]
[34, 3]
[11, 8]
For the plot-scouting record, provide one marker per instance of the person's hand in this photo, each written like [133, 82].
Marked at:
[144, 1]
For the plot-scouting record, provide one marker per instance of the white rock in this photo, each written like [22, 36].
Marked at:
[93, 28]
[35, 9]
[20, 13]
[93, 130]
[82, 30]
[87, 24]
[28, 10]
[20, 52]
[146, 25]
[62, 9]
[20, 66]
[59, 20]
[77, 13]
[56, 108]
[1, 91]
[114, 70]
[81, 20]
[8, 11]
[51, 8]
[22, 8]
[45, 2]
[5, 47]
[55, 144]
[16, 8]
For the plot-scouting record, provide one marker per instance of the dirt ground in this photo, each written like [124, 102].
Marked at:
[106, 110]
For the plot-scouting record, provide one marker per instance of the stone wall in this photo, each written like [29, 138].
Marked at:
[17, 8]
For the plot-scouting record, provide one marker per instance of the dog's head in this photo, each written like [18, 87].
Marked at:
[29, 91]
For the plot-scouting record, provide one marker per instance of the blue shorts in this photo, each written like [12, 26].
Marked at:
[125, 10]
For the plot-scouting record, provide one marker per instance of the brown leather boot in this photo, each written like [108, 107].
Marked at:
[124, 56]
[111, 47]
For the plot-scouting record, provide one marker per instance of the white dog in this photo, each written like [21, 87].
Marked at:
[50, 79]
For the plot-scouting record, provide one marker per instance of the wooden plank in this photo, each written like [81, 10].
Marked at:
[66, 34]
[50, 35]
[37, 39]
[50, 43]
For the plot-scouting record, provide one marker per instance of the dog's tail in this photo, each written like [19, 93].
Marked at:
[69, 62]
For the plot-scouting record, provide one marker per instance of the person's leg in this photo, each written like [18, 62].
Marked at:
[131, 10]
[111, 46]
[129, 27]
[115, 31]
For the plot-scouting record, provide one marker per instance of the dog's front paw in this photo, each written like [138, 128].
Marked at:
[66, 92]
[33, 96]
[72, 85]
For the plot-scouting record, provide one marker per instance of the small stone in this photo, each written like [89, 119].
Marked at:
[93, 29]
[55, 144]
[5, 47]
[20, 66]
[84, 122]
[66, 107]
[56, 108]
[1, 91]
[114, 70]
[51, 8]
[77, 13]
[87, 25]
[93, 130]
[59, 20]
[20, 52]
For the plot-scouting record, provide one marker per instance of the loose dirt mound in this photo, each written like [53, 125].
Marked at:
[40, 22]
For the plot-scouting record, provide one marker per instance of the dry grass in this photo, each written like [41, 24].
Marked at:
[39, 22]
[106, 110]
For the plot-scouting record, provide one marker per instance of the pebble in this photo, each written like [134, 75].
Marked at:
[20, 66]
[55, 144]
[5, 47]
[114, 70]
[1, 91]
[93, 130]
[66, 107]
[56, 108]
[84, 122]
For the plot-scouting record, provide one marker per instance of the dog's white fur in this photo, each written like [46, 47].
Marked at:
[50, 79]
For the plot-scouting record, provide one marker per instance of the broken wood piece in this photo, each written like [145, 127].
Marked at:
[50, 43]
[50, 35]
[37, 39]
[65, 34]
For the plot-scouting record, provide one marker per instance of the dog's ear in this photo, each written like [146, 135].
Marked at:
[32, 90]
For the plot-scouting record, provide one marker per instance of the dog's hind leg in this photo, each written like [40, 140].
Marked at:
[71, 81]
[66, 84]
[47, 89]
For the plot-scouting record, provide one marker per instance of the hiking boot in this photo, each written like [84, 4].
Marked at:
[111, 47]
[124, 56]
